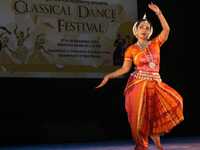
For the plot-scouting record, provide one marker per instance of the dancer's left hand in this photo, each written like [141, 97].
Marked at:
[154, 8]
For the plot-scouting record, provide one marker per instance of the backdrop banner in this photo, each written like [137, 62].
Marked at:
[64, 38]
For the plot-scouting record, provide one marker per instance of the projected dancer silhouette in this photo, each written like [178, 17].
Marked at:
[152, 106]
[118, 52]
[6, 53]
[22, 52]
[40, 55]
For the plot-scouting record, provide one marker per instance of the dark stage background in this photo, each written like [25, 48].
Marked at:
[49, 110]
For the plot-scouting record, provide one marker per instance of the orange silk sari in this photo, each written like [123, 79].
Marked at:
[153, 107]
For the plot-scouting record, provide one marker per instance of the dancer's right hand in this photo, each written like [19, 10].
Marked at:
[103, 82]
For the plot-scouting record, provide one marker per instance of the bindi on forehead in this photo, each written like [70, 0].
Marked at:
[146, 24]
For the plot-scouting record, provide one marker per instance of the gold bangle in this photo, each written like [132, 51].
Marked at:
[158, 13]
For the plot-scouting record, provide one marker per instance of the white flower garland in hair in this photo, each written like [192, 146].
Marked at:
[135, 28]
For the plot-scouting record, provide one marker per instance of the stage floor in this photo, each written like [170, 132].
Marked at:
[182, 143]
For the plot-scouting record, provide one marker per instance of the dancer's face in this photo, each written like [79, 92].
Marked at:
[143, 30]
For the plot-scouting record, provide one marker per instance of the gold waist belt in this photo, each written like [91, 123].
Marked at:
[145, 75]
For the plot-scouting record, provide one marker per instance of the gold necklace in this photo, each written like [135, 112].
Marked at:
[150, 60]
[149, 56]
[142, 45]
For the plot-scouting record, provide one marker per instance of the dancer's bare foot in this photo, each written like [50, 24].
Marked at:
[159, 147]
[156, 140]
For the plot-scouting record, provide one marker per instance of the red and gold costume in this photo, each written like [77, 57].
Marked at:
[153, 107]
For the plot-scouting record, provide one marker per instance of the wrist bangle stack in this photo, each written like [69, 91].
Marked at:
[158, 13]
